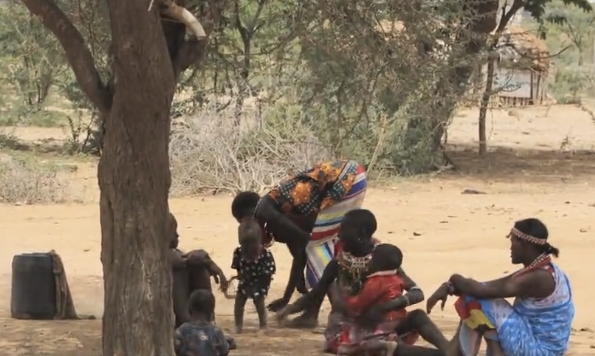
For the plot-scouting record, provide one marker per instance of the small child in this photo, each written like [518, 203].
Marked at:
[200, 337]
[382, 284]
[255, 268]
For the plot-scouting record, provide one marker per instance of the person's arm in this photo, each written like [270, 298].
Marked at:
[198, 258]
[222, 344]
[413, 296]
[178, 342]
[329, 275]
[536, 284]
[176, 261]
[414, 293]
[281, 225]
[298, 265]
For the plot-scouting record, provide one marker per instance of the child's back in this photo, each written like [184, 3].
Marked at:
[379, 287]
[200, 339]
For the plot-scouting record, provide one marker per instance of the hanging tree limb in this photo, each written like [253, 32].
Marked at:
[77, 53]
[190, 50]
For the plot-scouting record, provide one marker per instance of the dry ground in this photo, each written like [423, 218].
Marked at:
[539, 170]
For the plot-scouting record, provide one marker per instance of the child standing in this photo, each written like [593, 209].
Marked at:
[255, 268]
[200, 337]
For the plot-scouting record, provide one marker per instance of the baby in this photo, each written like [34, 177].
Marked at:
[255, 268]
[200, 337]
[382, 284]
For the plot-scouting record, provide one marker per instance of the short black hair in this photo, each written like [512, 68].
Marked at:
[536, 228]
[202, 301]
[363, 220]
[386, 257]
[243, 204]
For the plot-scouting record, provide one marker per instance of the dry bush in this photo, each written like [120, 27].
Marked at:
[30, 182]
[209, 153]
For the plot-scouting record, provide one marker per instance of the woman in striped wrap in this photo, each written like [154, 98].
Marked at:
[304, 212]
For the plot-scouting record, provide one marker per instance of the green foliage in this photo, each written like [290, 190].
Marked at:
[375, 81]
[570, 39]
[31, 63]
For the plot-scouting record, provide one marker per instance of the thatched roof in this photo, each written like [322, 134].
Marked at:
[518, 44]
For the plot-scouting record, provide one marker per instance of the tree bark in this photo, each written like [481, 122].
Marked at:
[134, 177]
[483, 107]
[134, 180]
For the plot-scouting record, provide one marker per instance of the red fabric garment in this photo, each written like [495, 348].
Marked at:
[378, 288]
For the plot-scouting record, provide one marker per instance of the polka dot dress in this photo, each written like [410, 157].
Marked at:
[255, 276]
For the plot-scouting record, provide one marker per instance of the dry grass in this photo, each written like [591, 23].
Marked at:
[209, 153]
[30, 182]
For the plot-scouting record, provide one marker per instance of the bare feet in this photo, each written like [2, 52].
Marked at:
[302, 322]
[263, 330]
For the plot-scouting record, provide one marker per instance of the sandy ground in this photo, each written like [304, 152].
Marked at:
[539, 171]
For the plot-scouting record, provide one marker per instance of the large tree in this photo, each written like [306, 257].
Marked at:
[148, 51]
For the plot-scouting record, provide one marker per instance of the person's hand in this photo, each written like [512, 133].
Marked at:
[278, 304]
[218, 276]
[441, 294]
[223, 282]
[283, 313]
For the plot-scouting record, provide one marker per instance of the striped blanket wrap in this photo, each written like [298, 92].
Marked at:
[320, 250]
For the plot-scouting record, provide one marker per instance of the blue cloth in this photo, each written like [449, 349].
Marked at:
[200, 339]
[528, 327]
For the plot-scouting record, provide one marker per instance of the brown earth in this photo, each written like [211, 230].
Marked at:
[542, 168]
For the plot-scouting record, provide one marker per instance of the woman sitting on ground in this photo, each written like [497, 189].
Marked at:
[348, 268]
[382, 284]
[538, 323]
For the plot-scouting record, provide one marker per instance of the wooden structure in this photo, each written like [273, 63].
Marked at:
[522, 69]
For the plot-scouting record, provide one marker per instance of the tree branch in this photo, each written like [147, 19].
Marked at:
[78, 54]
[190, 52]
[194, 49]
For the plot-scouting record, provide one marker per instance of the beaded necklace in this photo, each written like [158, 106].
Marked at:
[352, 269]
[540, 261]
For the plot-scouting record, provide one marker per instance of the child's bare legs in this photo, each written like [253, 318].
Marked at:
[261, 310]
[238, 311]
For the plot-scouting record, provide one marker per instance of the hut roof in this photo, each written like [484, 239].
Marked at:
[518, 44]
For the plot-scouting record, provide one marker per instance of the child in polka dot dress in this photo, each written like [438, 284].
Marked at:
[255, 268]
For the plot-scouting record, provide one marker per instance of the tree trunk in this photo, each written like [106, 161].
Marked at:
[483, 107]
[147, 56]
[137, 319]
[134, 179]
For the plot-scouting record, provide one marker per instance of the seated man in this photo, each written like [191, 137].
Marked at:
[539, 321]
[190, 271]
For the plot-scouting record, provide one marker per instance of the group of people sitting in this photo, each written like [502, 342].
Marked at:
[317, 214]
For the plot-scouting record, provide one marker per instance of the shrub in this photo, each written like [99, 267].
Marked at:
[210, 152]
[29, 182]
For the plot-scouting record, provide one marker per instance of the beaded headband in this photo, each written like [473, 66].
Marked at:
[528, 238]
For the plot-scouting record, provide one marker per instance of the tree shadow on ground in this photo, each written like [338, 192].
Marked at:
[511, 164]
